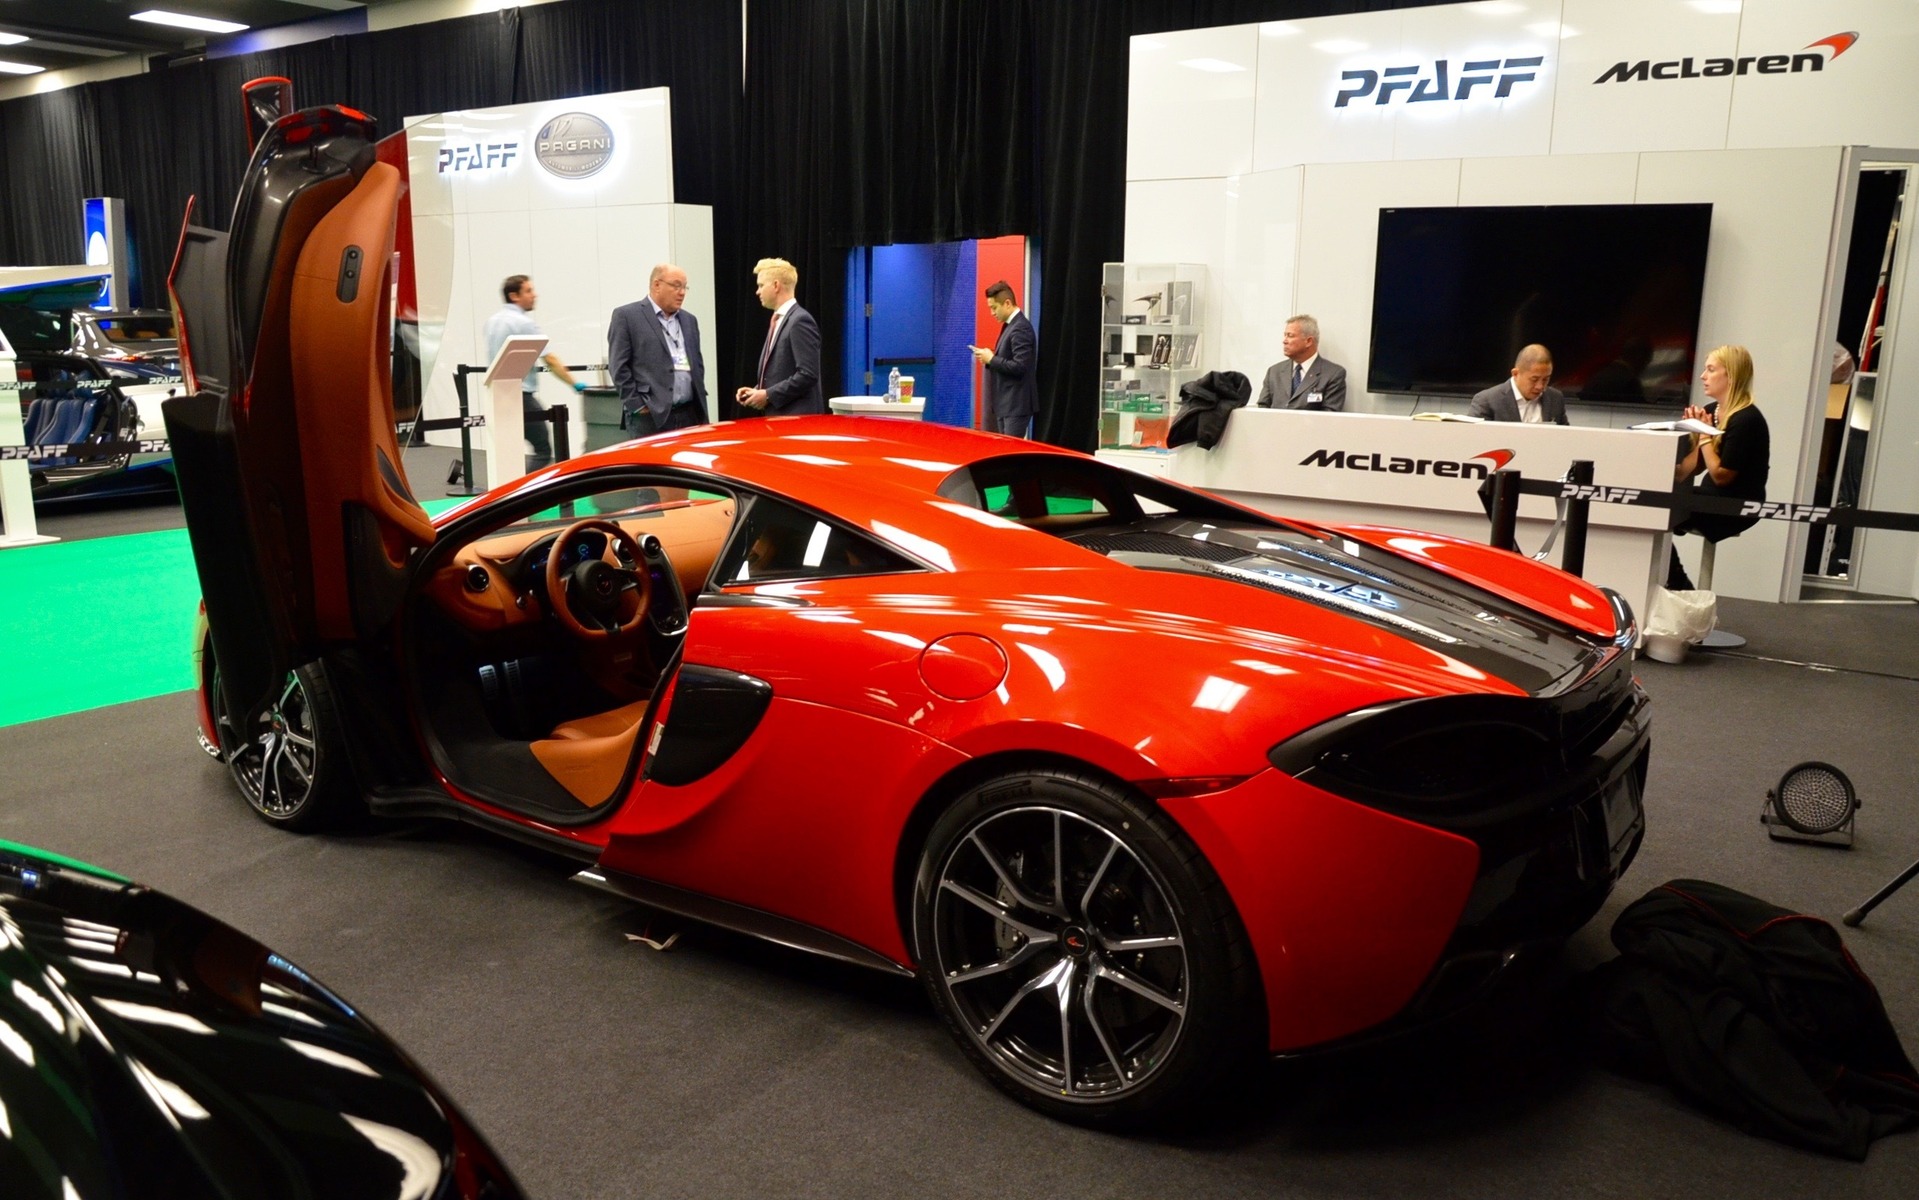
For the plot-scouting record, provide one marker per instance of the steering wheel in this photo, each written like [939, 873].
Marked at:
[589, 597]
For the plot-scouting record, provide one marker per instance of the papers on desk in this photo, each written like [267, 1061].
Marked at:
[1683, 425]
[1448, 416]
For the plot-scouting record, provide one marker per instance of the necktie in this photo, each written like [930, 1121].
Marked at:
[1298, 372]
[766, 351]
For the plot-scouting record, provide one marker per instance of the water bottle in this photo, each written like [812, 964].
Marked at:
[893, 385]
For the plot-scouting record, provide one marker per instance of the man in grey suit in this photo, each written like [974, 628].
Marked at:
[1525, 397]
[1303, 379]
[653, 347]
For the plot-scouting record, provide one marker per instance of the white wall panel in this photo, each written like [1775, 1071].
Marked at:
[1481, 122]
[1765, 277]
[1253, 304]
[1299, 83]
[1888, 561]
[1339, 220]
[1565, 179]
[1650, 114]
[1189, 103]
[1863, 95]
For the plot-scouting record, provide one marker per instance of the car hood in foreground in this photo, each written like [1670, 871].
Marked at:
[146, 1049]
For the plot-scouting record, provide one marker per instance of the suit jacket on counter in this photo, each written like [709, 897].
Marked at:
[792, 378]
[642, 363]
[1327, 378]
[1497, 403]
[1012, 382]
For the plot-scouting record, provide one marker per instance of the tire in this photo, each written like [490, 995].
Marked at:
[290, 767]
[1083, 952]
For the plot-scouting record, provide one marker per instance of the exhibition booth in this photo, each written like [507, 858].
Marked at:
[1266, 153]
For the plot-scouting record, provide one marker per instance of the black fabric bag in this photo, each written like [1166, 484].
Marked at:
[1755, 1013]
[1204, 405]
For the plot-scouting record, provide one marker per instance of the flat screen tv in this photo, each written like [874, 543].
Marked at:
[1611, 289]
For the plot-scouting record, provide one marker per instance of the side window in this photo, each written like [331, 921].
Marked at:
[778, 542]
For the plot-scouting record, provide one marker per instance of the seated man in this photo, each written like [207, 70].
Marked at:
[1303, 379]
[1526, 396]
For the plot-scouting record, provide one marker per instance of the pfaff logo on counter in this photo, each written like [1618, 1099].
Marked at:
[573, 145]
[1785, 512]
[1599, 492]
[1360, 460]
[1419, 86]
[481, 156]
[1809, 59]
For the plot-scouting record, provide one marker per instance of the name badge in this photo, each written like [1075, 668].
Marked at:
[1315, 398]
[681, 362]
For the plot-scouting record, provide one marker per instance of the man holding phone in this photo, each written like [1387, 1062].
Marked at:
[1303, 379]
[1012, 382]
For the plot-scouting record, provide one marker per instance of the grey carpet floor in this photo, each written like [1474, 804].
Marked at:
[727, 1068]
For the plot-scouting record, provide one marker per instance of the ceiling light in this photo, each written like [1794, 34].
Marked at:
[1216, 65]
[160, 16]
[14, 68]
[11, 39]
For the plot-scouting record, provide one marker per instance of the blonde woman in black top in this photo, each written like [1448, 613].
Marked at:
[1735, 463]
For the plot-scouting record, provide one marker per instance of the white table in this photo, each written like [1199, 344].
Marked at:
[1363, 468]
[879, 406]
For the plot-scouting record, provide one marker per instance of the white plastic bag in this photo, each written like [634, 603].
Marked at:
[1688, 616]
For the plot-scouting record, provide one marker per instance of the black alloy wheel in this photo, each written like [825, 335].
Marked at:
[1082, 950]
[289, 765]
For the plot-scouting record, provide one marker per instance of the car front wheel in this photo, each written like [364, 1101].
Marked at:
[288, 763]
[1083, 952]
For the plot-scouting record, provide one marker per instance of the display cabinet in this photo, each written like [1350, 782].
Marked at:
[1152, 319]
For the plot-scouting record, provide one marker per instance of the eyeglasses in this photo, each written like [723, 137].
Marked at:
[677, 287]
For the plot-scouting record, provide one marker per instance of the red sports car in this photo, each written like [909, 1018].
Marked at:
[1141, 783]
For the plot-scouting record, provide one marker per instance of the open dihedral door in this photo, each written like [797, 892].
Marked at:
[290, 473]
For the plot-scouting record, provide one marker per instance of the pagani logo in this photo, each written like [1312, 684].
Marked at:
[1812, 58]
[1443, 468]
[573, 145]
[1420, 86]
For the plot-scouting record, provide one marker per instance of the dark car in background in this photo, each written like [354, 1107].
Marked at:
[147, 1049]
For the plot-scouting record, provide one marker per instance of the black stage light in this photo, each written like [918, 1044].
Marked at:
[1814, 802]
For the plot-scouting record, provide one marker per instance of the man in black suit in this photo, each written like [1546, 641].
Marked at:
[653, 347]
[1303, 379]
[789, 379]
[1525, 397]
[1012, 378]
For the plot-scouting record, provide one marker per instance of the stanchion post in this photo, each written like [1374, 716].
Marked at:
[466, 434]
[1505, 506]
[1573, 558]
[562, 443]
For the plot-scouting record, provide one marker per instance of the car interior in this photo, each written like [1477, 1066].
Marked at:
[537, 646]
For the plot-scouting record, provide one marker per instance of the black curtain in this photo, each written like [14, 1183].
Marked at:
[52, 162]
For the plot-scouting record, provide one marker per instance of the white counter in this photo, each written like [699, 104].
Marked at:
[1362, 468]
[879, 406]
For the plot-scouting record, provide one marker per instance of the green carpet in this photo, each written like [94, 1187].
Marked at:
[99, 621]
[95, 622]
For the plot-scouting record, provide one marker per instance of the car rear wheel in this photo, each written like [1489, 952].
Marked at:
[289, 764]
[1083, 952]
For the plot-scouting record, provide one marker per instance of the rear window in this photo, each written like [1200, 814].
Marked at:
[1069, 493]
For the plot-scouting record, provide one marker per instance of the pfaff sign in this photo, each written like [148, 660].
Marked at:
[1433, 82]
[479, 156]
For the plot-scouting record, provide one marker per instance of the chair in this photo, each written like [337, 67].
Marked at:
[1718, 639]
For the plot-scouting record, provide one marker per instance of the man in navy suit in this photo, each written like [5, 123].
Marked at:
[1303, 379]
[653, 347]
[1012, 377]
[1525, 397]
[789, 377]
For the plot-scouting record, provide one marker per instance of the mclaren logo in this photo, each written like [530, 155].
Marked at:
[573, 145]
[1418, 83]
[1812, 58]
[1444, 468]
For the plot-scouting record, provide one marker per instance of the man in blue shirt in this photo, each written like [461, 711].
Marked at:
[514, 318]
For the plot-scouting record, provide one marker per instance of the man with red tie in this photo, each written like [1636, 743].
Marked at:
[1012, 383]
[789, 379]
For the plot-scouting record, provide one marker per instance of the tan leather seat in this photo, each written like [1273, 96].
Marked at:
[588, 755]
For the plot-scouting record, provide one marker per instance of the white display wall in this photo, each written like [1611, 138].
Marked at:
[586, 221]
[1241, 157]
